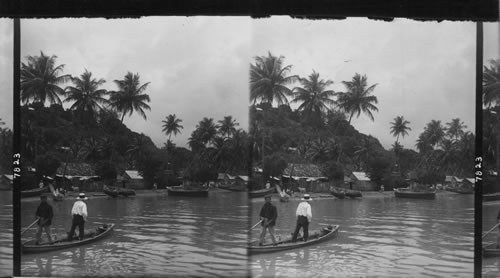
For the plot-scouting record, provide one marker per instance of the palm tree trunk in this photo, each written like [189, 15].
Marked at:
[350, 117]
[123, 116]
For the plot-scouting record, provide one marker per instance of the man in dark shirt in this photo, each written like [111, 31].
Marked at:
[268, 215]
[44, 213]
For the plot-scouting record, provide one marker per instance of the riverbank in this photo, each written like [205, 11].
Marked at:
[366, 195]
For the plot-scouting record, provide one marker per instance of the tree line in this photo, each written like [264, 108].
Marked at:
[319, 130]
[92, 130]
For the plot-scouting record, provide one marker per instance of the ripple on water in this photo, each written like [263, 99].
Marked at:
[380, 238]
[160, 237]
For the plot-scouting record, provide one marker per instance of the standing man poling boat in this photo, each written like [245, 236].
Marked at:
[268, 216]
[79, 212]
[304, 216]
[44, 213]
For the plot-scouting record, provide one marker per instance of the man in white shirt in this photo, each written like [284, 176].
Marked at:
[304, 216]
[79, 212]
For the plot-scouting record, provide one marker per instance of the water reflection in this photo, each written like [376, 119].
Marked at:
[6, 238]
[44, 269]
[268, 267]
[155, 235]
[490, 265]
[381, 237]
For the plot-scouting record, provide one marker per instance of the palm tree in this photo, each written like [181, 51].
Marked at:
[203, 135]
[314, 96]
[137, 150]
[491, 84]
[357, 99]
[434, 132]
[129, 97]
[90, 149]
[363, 150]
[455, 129]
[423, 145]
[399, 127]
[40, 80]
[88, 98]
[171, 124]
[227, 127]
[268, 80]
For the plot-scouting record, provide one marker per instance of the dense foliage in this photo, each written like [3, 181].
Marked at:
[91, 130]
[319, 130]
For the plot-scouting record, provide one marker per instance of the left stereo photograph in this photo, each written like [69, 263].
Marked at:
[127, 127]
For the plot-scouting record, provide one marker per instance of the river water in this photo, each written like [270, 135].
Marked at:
[155, 235]
[490, 266]
[6, 238]
[380, 236]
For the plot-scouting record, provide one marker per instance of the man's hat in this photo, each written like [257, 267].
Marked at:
[82, 196]
[306, 198]
[268, 196]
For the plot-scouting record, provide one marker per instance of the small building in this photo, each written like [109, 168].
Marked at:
[133, 180]
[241, 180]
[360, 181]
[77, 177]
[306, 176]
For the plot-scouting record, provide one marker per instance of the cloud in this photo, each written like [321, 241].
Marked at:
[197, 66]
[424, 70]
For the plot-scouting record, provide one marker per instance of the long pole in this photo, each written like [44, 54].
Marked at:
[254, 226]
[491, 230]
[30, 226]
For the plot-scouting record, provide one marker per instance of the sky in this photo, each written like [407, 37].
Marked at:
[424, 70]
[199, 66]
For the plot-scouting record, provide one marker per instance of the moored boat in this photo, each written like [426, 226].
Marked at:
[407, 193]
[341, 193]
[260, 192]
[232, 187]
[34, 192]
[491, 197]
[126, 192]
[110, 192]
[100, 232]
[115, 192]
[187, 191]
[324, 234]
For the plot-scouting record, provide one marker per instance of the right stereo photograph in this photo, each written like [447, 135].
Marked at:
[363, 147]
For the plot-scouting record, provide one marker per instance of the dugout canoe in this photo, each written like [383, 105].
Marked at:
[186, 191]
[233, 187]
[322, 235]
[34, 192]
[115, 192]
[491, 250]
[341, 193]
[110, 192]
[260, 192]
[407, 193]
[100, 232]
